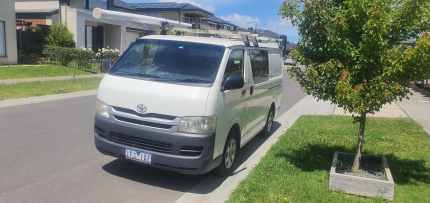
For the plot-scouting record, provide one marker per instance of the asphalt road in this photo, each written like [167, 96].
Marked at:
[47, 155]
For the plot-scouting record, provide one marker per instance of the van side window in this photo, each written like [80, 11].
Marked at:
[259, 65]
[235, 63]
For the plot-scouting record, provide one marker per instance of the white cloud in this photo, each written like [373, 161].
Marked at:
[283, 26]
[278, 25]
[243, 21]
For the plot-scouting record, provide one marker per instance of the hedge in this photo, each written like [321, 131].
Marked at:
[65, 56]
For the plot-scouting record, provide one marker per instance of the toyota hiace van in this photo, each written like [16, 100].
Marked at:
[187, 104]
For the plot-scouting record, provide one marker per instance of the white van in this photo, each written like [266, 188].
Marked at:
[187, 104]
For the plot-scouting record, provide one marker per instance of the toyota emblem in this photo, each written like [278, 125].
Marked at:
[141, 109]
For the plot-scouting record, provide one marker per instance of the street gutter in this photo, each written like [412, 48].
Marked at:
[47, 98]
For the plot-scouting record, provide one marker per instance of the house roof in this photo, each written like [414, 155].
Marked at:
[220, 21]
[268, 33]
[168, 6]
[160, 6]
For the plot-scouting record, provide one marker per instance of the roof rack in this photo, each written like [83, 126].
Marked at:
[250, 40]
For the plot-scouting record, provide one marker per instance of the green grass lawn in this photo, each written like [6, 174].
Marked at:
[46, 88]
[296, 168]
[19, 71]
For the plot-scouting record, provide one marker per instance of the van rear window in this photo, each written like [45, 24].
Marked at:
[170, 61]
[259, 65]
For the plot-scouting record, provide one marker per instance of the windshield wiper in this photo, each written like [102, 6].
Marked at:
[193, 80]
[144, 75]
[141, 75]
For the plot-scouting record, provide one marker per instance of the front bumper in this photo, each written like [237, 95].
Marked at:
[173, 160]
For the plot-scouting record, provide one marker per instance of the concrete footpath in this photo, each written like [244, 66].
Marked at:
[417, 107]
[45, 79]
[306, 106]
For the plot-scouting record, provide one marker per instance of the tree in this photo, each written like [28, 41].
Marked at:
[355, 53]
[59, 36]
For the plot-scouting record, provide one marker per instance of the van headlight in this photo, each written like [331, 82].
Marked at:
[102, 109]
[197, 125]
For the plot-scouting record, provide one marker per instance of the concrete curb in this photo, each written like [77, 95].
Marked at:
[47, 98]
[307, 105]
[46, 79]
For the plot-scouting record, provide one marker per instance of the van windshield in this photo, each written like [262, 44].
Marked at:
[170, 61]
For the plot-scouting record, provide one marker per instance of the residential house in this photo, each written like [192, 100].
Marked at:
[182, 12]
[8, 50]
[117, 23]
[111, 29]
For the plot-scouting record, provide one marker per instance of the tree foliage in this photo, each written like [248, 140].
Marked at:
[59, 36]
[360, 54]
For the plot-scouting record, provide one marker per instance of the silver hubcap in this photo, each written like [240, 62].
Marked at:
[230, 153]
[269, 122]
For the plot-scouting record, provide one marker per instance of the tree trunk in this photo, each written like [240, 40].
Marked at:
[357, 159]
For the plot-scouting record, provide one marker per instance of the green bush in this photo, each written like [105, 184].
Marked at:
[59, 36]
[65, 56]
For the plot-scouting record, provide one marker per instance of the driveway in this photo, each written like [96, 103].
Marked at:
[47, 155]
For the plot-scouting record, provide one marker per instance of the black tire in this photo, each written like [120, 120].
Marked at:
[227, 166]
[268, 127]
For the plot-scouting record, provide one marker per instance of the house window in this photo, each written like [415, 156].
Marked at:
[2, 38]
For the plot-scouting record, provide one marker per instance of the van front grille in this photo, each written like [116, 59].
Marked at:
[147, 115]
[145, 123]
[138, 142]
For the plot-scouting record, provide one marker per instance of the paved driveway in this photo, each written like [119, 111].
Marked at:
[47, 155]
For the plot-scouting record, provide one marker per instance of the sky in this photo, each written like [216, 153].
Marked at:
[246, 13]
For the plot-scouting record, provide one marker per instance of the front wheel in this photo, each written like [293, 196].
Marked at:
[229, 156]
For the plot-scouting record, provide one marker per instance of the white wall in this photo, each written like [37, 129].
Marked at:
[113, 36]
[36, 6]
[130, 38]
[69, 17]
[7, 14]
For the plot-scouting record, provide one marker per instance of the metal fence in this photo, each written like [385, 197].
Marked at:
[94, 65]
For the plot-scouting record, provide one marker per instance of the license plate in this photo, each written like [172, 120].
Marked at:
[138, 156]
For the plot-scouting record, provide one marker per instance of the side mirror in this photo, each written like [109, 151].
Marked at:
[232, 82]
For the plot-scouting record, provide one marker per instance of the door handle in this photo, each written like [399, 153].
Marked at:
[251, 90]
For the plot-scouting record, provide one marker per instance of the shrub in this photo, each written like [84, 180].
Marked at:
[65, 56]
[107, 53]
[59, 36]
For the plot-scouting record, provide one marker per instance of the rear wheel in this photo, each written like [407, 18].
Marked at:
[269, 122]
[229, 156]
